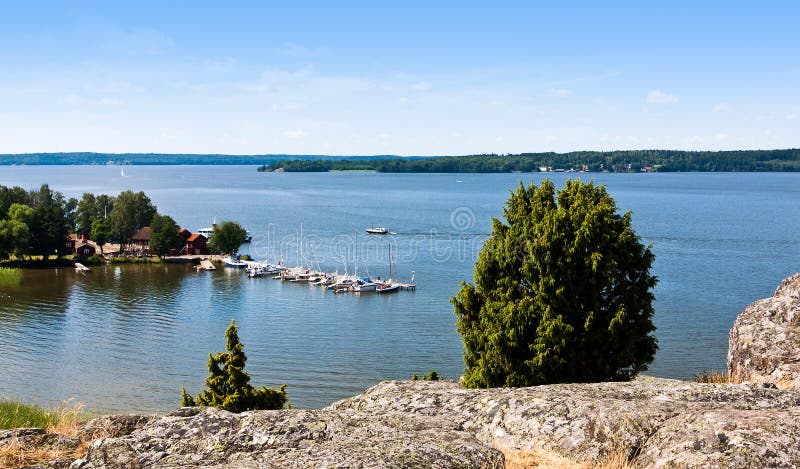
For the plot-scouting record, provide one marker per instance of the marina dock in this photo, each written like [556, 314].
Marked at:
[206, 264]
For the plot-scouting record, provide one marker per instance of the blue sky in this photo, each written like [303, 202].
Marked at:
[408, 78]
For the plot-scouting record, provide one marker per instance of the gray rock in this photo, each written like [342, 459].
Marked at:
[212, 438]
[764, 343]
[440, 424]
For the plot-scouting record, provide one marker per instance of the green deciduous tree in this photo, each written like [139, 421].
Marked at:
[86, 212]
[229, 386]
[101, 232]
[15, 234]
[132, 211]
[562, 292]
[163, 234]
[49, 225]
[227, 237]
[9, 196]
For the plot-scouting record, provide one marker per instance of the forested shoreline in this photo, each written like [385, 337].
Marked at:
[593, 161]
[155, 159]
[617, 161]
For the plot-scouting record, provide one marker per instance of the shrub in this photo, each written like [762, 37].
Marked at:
[431, 376]
[229, 386]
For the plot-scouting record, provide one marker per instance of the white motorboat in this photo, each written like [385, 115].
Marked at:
[387, 288]
[208, 230]
[364, 285]
[379, 230]
[234, 262]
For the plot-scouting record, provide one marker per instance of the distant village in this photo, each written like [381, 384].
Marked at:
[81, 246]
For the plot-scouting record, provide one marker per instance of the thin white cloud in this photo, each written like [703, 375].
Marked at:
[115, 87]
[659, 97]
[225, 65]
[71, 99]
[290, 106]
[791, 116]
[110, 102]
[496, 104]
[722, 107]
[422, 86]
[294, 134]
[721, 137]
[558, 92]
[293, 49]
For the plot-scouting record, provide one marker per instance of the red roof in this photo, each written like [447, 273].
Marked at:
[142, 235]
[195, 236]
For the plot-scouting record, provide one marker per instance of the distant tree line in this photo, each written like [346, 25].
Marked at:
[87, 158]
[615, 161]
[38, 222]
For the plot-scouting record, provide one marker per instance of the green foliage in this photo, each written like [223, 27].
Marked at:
[132, 211]
[227, 237]
[70, 213]
[615, 161]
[15, 233]
[94, 260]
[10, 196]
[101, 232]
[562, 292]
[228, 385]
[18, 415]
[432, 375]
[90, 210]
[186, 399]
[49, 224]
[163, 234]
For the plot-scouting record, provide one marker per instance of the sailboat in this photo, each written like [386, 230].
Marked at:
[388, 286]
[122, 172]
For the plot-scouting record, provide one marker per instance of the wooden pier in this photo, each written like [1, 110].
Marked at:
[206, 264]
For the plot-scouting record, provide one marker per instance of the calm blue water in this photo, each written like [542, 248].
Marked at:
[126, 338]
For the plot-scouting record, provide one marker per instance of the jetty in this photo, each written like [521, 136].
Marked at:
[81, 268]
[206, 264]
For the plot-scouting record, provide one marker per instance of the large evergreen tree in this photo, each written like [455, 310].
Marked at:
[562, 292]
[229, 385]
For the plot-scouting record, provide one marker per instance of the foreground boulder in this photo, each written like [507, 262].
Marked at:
[764, 343]
[653, 422]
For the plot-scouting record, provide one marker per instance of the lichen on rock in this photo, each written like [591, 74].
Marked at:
[764, 342]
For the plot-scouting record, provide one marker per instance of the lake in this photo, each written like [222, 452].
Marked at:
[125, 338]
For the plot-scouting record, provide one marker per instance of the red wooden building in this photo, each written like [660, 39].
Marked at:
[196, 244]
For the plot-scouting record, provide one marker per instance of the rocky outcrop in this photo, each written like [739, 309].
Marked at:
[648, 422]
[764, 343]
[656, 422]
